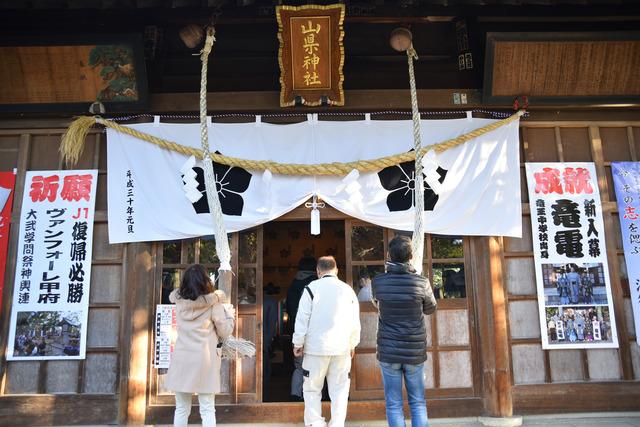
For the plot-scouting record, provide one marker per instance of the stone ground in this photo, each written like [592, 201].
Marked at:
[599, 419]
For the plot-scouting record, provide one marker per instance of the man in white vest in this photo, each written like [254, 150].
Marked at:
[327, 331]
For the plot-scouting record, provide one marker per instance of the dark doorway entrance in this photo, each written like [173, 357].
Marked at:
[285, 244]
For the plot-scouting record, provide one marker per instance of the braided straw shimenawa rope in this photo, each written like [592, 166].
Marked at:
[73, 145]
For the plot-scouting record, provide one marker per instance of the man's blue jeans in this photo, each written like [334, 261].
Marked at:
[392, 374]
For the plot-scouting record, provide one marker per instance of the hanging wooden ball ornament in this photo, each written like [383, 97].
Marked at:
[400, 39]
[191, 35]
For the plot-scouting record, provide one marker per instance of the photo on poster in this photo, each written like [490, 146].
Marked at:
[574, 283]
[578, 325]
[47, 334]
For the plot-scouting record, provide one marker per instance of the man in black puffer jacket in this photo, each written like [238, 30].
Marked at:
[402, 297]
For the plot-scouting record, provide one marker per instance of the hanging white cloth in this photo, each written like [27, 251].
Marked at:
[479, 192]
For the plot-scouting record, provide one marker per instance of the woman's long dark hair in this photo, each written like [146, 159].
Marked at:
[195, 283]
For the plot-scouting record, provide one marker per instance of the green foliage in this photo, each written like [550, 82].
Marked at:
[37, 321]
[106, 70]
[110, 55]
[119, 84]
[447, 247]
[117, 71]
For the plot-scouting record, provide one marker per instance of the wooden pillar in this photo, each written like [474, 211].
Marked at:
[139, 287]
[493, 328]
[610, 223]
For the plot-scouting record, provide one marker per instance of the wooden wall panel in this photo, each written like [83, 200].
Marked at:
[524, 243]
[635, 358]
[455, 369]
[103, 327]
[453, 327]
[62, 376]
[86, 161]
[8, 152]
[604, 364]
[523, 185]
[428, 323]
[622, 275]
[44, 152]
[429, 375]
[523, 319]
[617, 232]
[9, 143]
[105, 283]
[225, 376]
[528, 364]
[101, 197]
[368, 376]
[102, 249]
[369, 328]
[246, 367]
[102, 150]
[615, 145]
[521, 279]
[628, 317]
[100, 373]
[575, 144]
[22, 378]
[566, 365]
[541, 146]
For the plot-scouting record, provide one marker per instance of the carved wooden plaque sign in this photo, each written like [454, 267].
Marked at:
[311, 54]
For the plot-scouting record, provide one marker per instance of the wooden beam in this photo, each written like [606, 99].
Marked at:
[594, 396]
[287, 412]
[501, 328]
[43, 410]
[492, 321]
[357, 100]
[610, 223]
[137, 310]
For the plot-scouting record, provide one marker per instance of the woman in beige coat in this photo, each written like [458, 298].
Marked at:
[203, 322]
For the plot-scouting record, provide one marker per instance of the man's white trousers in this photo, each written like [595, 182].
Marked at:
[336, 370]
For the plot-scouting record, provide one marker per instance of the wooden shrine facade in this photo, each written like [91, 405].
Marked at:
[485, 354]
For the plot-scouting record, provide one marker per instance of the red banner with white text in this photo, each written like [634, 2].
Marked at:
[7, 183]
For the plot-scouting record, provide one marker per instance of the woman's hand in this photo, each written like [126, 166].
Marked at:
[222, 297]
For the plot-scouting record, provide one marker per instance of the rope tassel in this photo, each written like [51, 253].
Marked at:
[72, 144]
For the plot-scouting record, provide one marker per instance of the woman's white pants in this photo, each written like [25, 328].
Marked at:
[183, 409]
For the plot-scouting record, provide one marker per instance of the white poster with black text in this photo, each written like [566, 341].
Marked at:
[572, 274]
[53, 266]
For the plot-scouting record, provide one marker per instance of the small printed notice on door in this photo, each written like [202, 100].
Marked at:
[166, 333]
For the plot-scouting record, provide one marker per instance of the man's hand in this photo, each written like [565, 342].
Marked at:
[352, 352]
[298, 351]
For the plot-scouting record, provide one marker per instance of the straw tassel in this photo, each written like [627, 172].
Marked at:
[72, 144]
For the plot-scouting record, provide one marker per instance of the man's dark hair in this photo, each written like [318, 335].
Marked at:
[307, 264]
[327, 263]
[400, 249]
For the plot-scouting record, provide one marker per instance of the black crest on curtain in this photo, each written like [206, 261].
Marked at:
[400, 181]
[231, 182]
